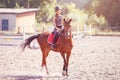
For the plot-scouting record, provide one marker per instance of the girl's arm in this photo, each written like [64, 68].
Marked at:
[62, 22]
[54, 24]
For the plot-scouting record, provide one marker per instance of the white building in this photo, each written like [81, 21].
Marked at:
[14, 20]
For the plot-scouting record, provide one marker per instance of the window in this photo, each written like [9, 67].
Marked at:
[4, 24]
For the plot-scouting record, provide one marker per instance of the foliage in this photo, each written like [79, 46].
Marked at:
[46, 11]
[92, 4]
[82, 17]
[94, 20]
[70, 11]
[7, 3]
[105, 10]
[111, 10]
[14, 3]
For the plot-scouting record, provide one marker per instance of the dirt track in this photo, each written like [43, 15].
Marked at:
[97, 58]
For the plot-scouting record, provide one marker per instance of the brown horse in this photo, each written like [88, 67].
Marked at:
[64, 46]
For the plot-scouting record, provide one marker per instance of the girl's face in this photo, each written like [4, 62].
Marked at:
[58, 12]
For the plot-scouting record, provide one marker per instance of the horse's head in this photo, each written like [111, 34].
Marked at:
[67, 28]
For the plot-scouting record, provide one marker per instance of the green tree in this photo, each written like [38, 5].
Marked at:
[46, 11]
[46, 7]
[111, 10]
[23, 3]
[2, 4]
[95, 20]
[12, 3]
[7, 3]
[78, 16]
[91, 5]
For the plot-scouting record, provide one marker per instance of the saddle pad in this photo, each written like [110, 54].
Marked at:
[50, 38]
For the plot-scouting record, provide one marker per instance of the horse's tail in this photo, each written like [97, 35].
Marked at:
[28, 41]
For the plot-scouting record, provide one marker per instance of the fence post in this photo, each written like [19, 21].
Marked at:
[90, 30]
[78, 31]
[84, 29]
[23, 32]
[35, 41]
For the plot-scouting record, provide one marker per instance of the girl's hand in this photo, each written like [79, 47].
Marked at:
[58, 29]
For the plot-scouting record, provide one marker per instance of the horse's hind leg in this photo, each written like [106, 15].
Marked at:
[44, 56]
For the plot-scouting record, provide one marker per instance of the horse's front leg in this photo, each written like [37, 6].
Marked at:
[67, 62]
[64, 65]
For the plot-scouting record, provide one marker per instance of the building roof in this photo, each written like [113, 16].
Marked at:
[16, 11]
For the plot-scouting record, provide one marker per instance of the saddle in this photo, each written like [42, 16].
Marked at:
[50, 38]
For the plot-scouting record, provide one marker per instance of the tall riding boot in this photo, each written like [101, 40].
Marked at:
[53, 46]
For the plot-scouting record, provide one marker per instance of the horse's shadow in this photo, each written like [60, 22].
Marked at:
[27, 77]
[21, 77]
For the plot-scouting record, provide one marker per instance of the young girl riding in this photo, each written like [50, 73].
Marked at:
[58, 25]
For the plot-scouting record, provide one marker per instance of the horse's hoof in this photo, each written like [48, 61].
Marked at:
[64, 73]
[47, 73]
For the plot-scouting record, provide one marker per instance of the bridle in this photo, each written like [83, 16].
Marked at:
[67, 29]
[67, 32]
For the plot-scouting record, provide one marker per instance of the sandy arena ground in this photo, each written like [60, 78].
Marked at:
[95, 58]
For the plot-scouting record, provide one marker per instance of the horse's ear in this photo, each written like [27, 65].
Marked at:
[70, 20]
[64, 19]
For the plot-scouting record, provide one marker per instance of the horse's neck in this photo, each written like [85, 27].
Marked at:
[65, 40]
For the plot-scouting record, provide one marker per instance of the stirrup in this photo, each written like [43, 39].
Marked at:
[53, 46]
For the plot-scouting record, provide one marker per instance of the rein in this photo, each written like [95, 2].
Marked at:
[65, 32]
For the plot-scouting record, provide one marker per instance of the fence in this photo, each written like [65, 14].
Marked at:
[97, 31]
[17, 30]
[107, 31]
[18, 34]
[87, 31]
[23, 29]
